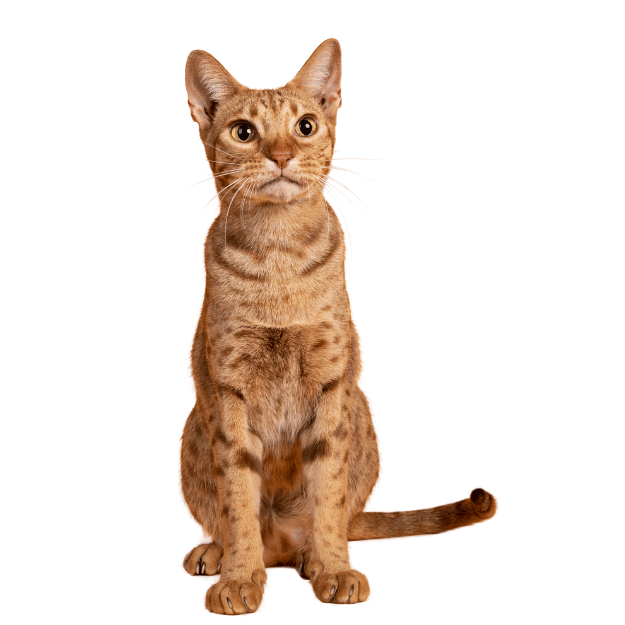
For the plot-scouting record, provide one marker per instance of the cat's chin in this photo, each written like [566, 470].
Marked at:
[280, 190]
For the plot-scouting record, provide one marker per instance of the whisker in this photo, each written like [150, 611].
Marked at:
[216, 148]
[350, 171]
[220, 162]
[345, 158]
[338, 205]
[324, 200]
[226, 173]
[333, 181]
[228, 211]
[219, 193]
[247, 195]
[233, 171]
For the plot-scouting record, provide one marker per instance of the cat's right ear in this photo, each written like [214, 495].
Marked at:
[209, 85]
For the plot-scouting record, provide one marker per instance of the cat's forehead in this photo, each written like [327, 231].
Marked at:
[273, 107]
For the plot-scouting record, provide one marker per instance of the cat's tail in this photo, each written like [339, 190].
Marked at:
[479, 507]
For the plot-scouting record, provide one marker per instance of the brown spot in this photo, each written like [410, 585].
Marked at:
[310, 237]
[334, 359]
[324, 260]
[225, 510]
[245, 459]
[319, 449]
[330, 386]
[236, 363]
[224, 389]
[341, 503]
[308, 423]
[293, 106]
[219, 471]
[285, 544]
[253, 110]
[337, 338]
[242, 275]
[253, 431]
[341, 431]
[283, 502]
[319, 344]
[221, 437]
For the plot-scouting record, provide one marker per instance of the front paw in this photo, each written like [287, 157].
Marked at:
[342, 587]
[236, 596]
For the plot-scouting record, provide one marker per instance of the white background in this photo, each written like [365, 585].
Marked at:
[486, 277]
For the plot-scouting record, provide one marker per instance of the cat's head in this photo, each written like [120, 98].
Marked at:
[272, 144]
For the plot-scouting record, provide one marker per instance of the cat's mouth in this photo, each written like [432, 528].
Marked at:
[281, 178]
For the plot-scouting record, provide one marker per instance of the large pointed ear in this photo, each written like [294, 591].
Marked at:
[209, 85]
[320, 77]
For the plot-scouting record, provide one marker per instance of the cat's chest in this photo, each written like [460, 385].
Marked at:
[280, 371]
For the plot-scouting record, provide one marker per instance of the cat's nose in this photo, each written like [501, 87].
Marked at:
[280, 152]
[281, 158]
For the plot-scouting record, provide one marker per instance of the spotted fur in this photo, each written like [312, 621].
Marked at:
[279, 454]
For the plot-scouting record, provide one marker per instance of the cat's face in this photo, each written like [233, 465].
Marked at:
[275, 143]
[267, 145]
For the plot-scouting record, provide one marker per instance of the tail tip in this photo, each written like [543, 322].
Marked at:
[483, 503]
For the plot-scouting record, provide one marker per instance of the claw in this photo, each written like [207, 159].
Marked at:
[229, 604]
[219, 567]
[203, 568]
[332, 591]
[197, 569]
[351, 590]
[247, 607]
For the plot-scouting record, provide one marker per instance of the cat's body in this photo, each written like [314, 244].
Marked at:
[279, 454]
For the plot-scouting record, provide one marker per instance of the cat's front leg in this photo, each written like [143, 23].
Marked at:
[325, 451]
[238, 456]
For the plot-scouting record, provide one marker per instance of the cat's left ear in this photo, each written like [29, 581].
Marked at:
[320, 77]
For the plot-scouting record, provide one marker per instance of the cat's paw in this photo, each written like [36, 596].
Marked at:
[203, 560]
[342, 587]
[236, 596]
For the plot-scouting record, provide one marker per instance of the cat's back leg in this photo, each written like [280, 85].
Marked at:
[364, 460]
[197, 468]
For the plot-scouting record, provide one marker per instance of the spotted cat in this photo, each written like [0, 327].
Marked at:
[279, 454]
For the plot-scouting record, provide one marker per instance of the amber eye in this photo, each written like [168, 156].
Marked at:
[243, 132]
[306, 127]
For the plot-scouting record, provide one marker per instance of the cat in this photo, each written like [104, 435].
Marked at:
[279, 454]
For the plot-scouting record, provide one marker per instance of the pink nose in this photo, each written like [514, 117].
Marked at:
[281, 158]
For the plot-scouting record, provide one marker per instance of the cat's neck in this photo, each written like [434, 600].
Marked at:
[261, 224]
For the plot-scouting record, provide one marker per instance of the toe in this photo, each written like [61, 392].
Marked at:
[231, 599]
[325, 587]
[251, 595]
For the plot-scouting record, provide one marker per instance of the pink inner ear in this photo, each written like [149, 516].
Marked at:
[208, 82]
[320, 76]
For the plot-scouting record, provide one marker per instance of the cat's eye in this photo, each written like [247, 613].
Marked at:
[306, 127]
[243, 132]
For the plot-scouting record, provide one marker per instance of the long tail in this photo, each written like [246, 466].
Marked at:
[479, 507]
